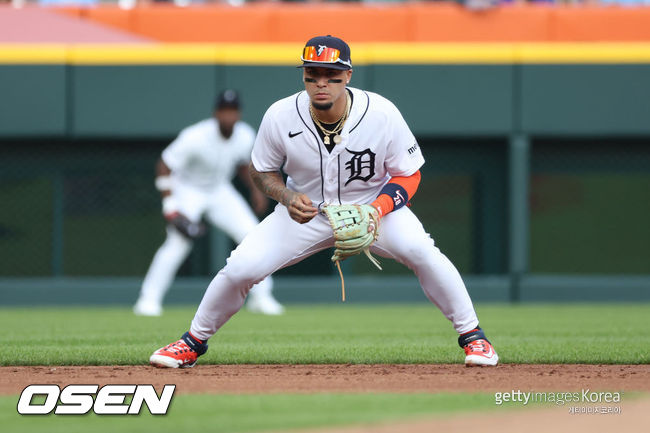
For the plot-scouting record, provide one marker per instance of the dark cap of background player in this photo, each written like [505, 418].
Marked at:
[326, 52]
[229, 98]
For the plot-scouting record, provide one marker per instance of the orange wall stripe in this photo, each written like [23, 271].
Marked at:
[359, 22]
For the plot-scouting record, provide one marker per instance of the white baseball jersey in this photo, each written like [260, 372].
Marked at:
[201, 157]
[376, 145]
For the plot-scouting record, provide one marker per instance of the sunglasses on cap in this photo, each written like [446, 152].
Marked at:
[322, 54]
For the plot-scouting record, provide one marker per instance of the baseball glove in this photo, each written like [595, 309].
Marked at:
[188, 228]
[352, 235]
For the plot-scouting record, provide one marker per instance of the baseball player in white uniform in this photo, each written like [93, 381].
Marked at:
[194, 176]
[337, 145]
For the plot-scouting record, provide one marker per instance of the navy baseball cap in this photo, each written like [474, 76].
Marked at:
[326, 52]
[227, 99]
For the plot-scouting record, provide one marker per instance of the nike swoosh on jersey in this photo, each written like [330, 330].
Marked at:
[293, 135]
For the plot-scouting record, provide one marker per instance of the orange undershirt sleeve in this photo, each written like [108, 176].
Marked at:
[396, 193]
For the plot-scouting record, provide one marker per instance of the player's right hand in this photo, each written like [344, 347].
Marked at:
[300, 207]
[169, 206]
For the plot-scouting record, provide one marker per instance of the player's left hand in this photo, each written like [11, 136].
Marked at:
[373, 225]
[355, 228]
[185, 226]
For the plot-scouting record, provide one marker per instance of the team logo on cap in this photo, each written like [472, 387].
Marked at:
[321, 48]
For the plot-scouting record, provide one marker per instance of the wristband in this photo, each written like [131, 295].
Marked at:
[397, 193]
[163, 183]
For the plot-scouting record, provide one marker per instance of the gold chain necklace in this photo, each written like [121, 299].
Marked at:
[339, 124]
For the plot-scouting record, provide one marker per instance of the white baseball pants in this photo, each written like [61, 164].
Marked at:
[223, 207]
[278, 241]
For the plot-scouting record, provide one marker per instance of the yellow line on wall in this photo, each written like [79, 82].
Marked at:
[33, 53]
[362, 53]
[584, 53]
[430, 53]
[102, 54]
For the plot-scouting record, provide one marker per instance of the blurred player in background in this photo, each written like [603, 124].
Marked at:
[194, 177]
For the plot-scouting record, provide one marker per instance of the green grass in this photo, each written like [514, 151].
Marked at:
[345, 333]
[309, 334]
[250, 413]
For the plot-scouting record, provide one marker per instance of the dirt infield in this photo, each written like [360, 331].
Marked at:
[633, 417]
[341, 378]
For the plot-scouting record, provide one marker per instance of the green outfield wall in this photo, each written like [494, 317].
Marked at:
[537, 181]
[90, 101]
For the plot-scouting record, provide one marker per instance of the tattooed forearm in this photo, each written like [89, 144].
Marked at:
[299, 205]
[271, 184]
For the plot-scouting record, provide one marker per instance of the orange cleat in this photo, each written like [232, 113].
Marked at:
[182, 353]
[480, 352]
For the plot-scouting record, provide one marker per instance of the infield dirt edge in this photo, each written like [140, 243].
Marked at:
[353, 378]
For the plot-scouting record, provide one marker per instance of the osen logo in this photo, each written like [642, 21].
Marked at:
[109, 400]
